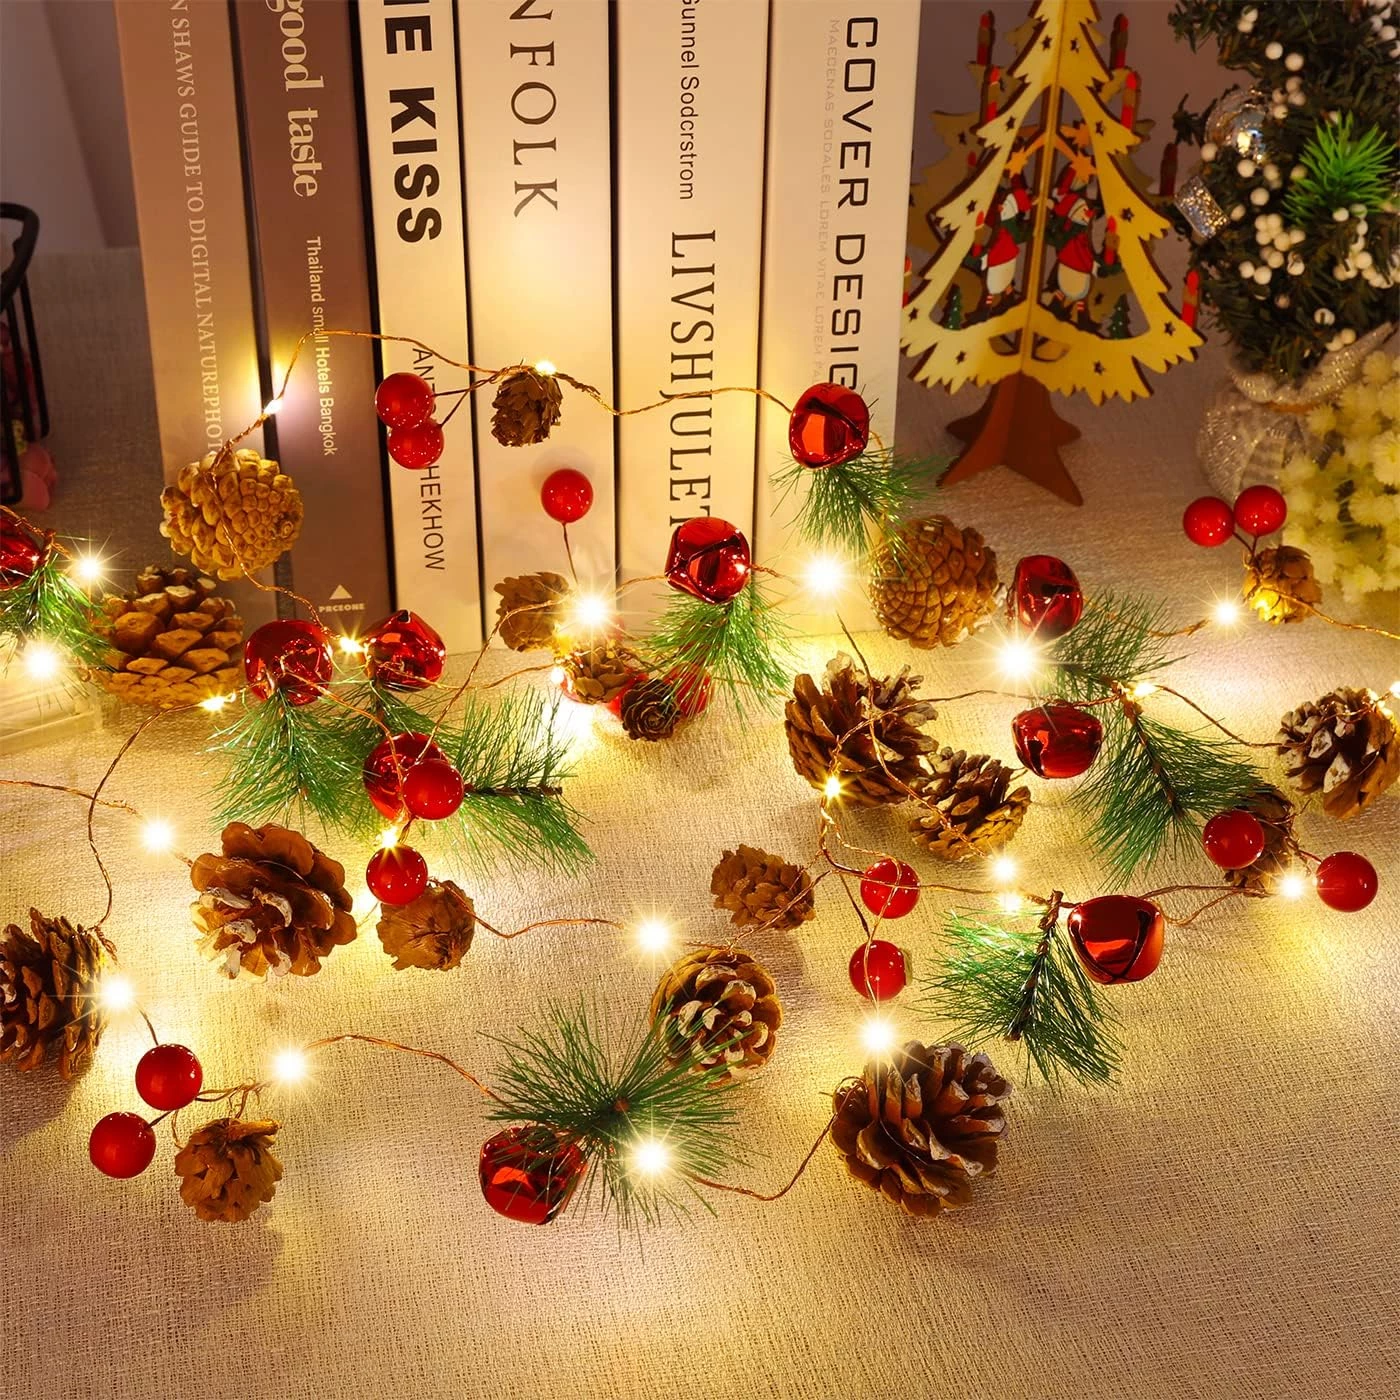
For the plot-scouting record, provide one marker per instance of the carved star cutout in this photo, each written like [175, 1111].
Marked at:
[1098, 128]
[1045, 43]
[971, 206]
[1169, 329]
[1098, 368]
[961, 356]
[1126, 215]
[1074, 46]
[1011, 123]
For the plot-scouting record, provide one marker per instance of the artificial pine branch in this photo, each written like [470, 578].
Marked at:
[846, 506]
[1116, 645]
[48, 606]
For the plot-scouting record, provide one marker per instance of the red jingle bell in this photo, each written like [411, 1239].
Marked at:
[290, 655]
[567, 495]
[1045, 596]
[122, 1145]
[419, 446]
[530, 1173]
[1260, 510]
[387, 768]
[403, 652]
[1056, 740]
[1233, 840]
[1346, 881]
[1208, 521]
[691, 687]
[433, 789]
[709, 559]
[396, 875]
[20, 553]
[878, 970]
[169, 1076]
[829, 425]
[889, 888]
[1118, 937]
[404, 400]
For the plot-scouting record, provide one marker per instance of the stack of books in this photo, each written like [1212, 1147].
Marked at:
[660, 198]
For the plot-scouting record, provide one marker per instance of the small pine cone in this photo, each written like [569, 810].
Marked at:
[527, 405]
[433, 931]
[922, 1125]
[232, 513]
[1276, 812]
[762, 889]
[49, 977]
[597, 675]
[650, 710]
[1279, 585]
[174, 640]
[531, 610]
[228, 1169]
[933, 582]
[717, 1006]
[271, 902]
[969, 806]
[1346, 744]
[829, 732]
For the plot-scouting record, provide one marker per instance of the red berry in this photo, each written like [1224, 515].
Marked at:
[878, 970]
[567, 495]
[890, 888]
[1346, 881]
[433, 789]
[1233, 839]
[404, 400]
[169, 1076]
[1208, 521]
[1260, 510]
[417, 447]
[396, 875]
[122, 1144]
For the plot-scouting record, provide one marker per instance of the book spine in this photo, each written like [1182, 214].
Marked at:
[690, 112]
[536, 137]
[840, 126]
[301, 130]
[408, 59]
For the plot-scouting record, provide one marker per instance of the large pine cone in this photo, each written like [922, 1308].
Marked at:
[527, 405]
[433, 931]
[762, 889]
[271, 903]
[970, 808]
[717, 1006]
[228, 1169]
[49, 978]
[1276, 812]
[531, 611]
[921, 1126]
[1346, 745]
[174, 640]
[829, 732]
[597, 675]
[232, 513]
[1280, 586]
[933, 582]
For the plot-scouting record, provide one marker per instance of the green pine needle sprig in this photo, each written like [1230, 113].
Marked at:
[1024, 987]
[850, 505]
[609, 1101]
[49, 607]
[1115, 641]
[1342, 169]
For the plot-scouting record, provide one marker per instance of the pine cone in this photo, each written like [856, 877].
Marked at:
[228, 1169]
[717, 1006]
[650, 710]
[829, 732]
[48, 994]
[922, 1125]
[232, 513]
[1276, 813]
[1279, 585]
[433, 931]
[933, 582]
[597, 675]
[762, 889]
[175, 641]
[531, 610]
[968, 810]
[527, 405]
[1345, 744]
[271, 903]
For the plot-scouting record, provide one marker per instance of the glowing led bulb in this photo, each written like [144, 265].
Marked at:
[1395, 689]
[1010, 902]
[1143, 688]
[363, 903]
[831, 789]
[1003, 869]
[545, 367]
[653, 936]
[877, 1035]
[651, 1157]
[273, 405]
[289, 1066]
[591, 610]
[41, 661]
[389, 837]
[88, 568]
[1292, 885]
[116, 993]
[1018, 659]
[157, 836]
[349, 646]
[557, 675]
[1227, 612]
[214, 703]
[825, 575]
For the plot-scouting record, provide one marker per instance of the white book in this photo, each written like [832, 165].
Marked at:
[690, 111]
[536, 148]
[408, 59]
[840, 125]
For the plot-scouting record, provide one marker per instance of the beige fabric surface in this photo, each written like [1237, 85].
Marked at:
[1223, 1224]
